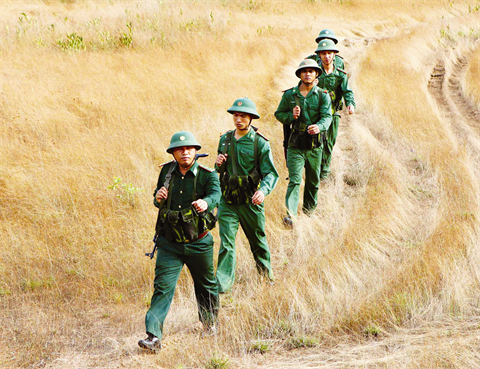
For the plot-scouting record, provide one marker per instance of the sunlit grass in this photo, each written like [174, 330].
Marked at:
[91, 94]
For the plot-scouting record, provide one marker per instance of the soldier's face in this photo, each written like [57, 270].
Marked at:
[185, 156]
[308, 75]
[241, 120]
[326, 56]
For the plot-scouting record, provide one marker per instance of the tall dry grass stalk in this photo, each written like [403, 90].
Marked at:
[91, 93]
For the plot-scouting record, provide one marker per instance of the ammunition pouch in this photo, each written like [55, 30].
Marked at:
[298, 139]
[184, 226]
[238, 190]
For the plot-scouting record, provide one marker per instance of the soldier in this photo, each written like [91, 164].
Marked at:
[191, 192]
[329, 35]
[335, 80]
[307, 109]
[247, 175]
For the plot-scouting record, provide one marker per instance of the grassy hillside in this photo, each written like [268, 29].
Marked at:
[384, 274]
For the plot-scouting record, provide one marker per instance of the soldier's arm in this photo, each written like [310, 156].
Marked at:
[347, 92]
[284, 113]
[325, 111]
[212, 190]
[268, 170]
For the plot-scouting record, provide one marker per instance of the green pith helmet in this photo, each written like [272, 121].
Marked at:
[326, 45]
[182, 139]
[307, 63]
[326, 33]
[244, 105]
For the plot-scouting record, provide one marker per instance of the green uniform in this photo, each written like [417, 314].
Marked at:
[231, 213]
[304, 150]
[338, 87]
[197, 255]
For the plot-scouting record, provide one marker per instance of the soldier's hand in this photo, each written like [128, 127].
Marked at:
[220, 159]
[200, 205]
[258, 198]
[296, 112]
[162, 193]
[313, 129]
[350, 109]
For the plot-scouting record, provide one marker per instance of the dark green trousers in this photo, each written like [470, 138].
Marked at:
[171, 256]
[331, 138]
[297, 160]
[252, 220]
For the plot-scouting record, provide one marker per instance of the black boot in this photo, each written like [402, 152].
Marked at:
[151, 343]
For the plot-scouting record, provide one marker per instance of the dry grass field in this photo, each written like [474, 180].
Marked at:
[386, 272]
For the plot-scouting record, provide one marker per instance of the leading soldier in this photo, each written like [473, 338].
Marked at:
[335, 81]
[247, 175]
[327, 34]
[186, 195]
[307, 110]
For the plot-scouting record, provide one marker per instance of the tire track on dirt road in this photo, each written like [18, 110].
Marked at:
[445, 85]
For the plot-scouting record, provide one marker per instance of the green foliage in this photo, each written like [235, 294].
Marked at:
[73, 42]
[260, 346]
[125, 191]
[126, 39]
[303, 341]
[371, 331]
[24, 24]
[217, 362]
[31, 284]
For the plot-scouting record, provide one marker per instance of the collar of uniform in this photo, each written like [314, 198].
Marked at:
[296, 90]
[250, 135]
[193, 169]
[334, 68]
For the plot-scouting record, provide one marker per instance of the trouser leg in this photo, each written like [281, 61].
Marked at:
[331, 138]
[199, 260]
[167, 270]
[312, 179]
[227, 258]
[296, 163]
[252, 220]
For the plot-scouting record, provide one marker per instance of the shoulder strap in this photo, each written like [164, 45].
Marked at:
[194, 194]
[168, 179]
[226, 148]
[255, 151]
[297, 100]
[233, 154]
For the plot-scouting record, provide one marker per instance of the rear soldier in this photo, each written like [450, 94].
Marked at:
[247, 175]
[307, 110]
[186, 196]
[335, 81]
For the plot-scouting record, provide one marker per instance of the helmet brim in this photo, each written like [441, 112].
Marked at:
[184, 144]
[248, 111]
[299, 70]
[320, 38]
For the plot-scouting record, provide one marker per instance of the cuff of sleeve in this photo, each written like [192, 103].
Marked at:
[264, 189]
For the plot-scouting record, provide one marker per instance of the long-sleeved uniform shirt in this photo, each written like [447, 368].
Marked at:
[315, 108]
[181, 186]
[337, 85]
[244, 152]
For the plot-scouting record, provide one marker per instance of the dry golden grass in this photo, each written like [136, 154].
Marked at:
[473, 74]
[385, 274]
